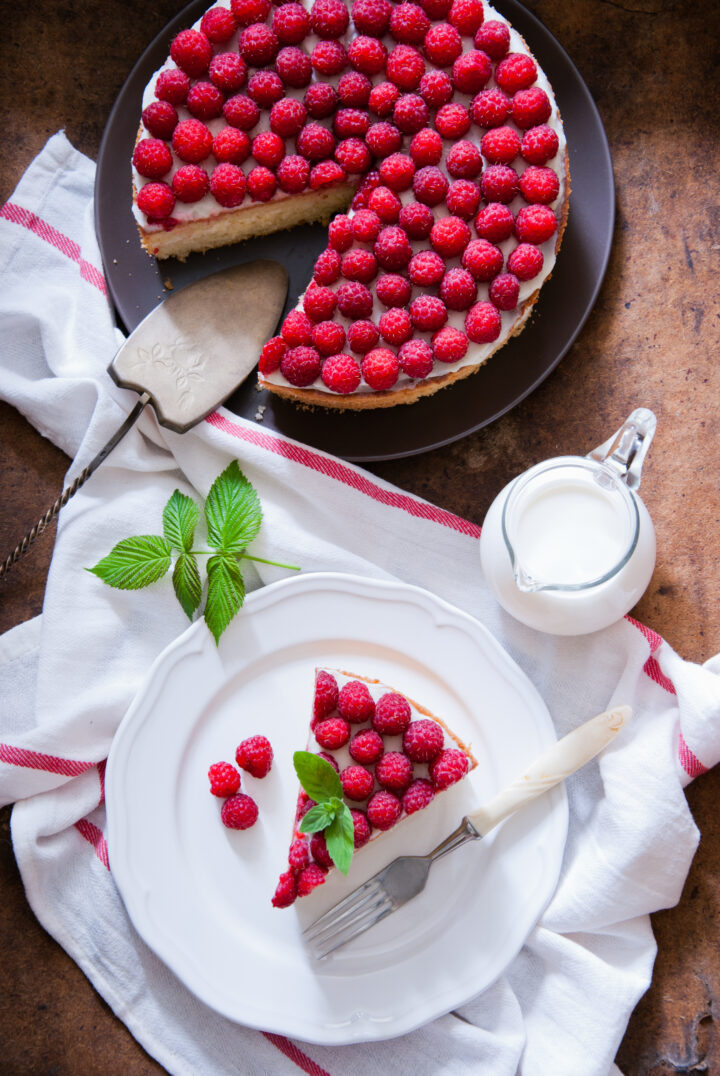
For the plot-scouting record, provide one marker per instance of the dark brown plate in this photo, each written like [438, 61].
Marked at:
[136, 282]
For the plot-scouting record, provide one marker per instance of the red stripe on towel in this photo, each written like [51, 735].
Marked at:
[291, 1050]
[35, 760]
[94, 836]
[689, 760]
[16, 214]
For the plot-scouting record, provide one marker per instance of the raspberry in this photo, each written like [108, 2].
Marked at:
[160, 119]
[357, 782]
[249, 11]
[430, 186]
[361, 828]
[500, 145]
[366, 746]
[354, 300]
[464, 161]
[227, 185]
[309, 878]
[416, 359]
[296, 328]
[371, 17]
[172, 86]
[423, 740]
[239, 812]
[483, 259]
[499, 183]
[229, 146]
[449, 345]
[417, 220]
[463, 199]
[382, 98]
[458, 290]
[329, 18]
[287, 117]
[327, 266]
[426, 147]
[531, 107]
[442, 44]
[539, 185]
[152, 158]
[268, 149]
[450, 766]
[393, 290]
[315, 142]
[351, 122]
[466, 15]
[452, 121]
[383, 139]
[300, 366]
[265, 88]
[328, 338]
[436, 88]
[319, 304]
[228, 71]
[504, 291]
[292, 174]
[383, 810]
[192, 141]
[326, 174]
[286, 891]
[392, 714]
[332, 733]
[409, 24]
[362, 336]
[291, 24]
[539, 145]
[261, 184]
[329, 759]
[340, 232]
[392, 248]
[353, 155]
[328, 58]
[535, 224]
[241, 112]
[299, 853]
[419, 794]
[367, 55]
[525, 261]
[255, 755]
[191, 50]
[294, 66]
[258, 44]
[271, 355]
[385, 204]
[394, 771]
[405, 67]
[380, 368]
[490, 108]
[450, 236]
[367, 186]
[410, 113]
[437, 9]
[482, 323]
[515, 72]
[428, 313]
[224, 779]
[341, 374]
[494, 222]
[395, 327]
[320, 100]
[471, 71]
[190, 183]
[366, 226]
[396, 172]
[319, 852]
[493, 37]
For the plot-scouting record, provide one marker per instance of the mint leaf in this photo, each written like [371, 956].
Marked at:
[180, 517]
[340, 839]
[232, 511]
[317, 777]
[134, 562]
[187, 584]
[226, 593]
[317, 819]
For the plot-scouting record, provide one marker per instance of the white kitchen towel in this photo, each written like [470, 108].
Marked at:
[68, 677]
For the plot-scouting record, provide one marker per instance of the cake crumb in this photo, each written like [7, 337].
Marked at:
[260, 412]
[168, 284]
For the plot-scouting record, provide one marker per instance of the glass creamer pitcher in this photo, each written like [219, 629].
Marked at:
[568, 547]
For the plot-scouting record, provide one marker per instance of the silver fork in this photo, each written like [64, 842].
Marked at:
[406, 876]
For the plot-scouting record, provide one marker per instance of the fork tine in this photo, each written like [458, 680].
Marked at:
[353, 929]
[352, 903]
[337, 925]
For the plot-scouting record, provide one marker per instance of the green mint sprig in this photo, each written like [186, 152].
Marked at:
[330, 815]
[233, 516]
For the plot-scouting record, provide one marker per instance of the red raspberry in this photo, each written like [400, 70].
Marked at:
[436, 88]
[428, 313]
[300, 366]
[315, 142]
[229, 145]
[286, 891]
[296, 328]
[291, 24]
[287, 117]
[359, 265]
[409, 24]
[326, 694]
[192, 141]
[367, 186]
[515, 72]
[500, 145]
[483, 259]
[249, 11]
[423, 740]
[367, 55]
[450, 766]
[464, 161]
[471, 71]
[495, 222]
[265, 88]
[172, 86]
[531, 107]
[539, 185]
[366, 746]
[340, 232]
[382, 98]
[361, 828]
[449, 345]
[205, 101]
[268, 149]
[394, 771]
[320, 100]
[417, 220]
[393, 290]
[493, 37]
[362, 336]
[239, 812]
[385, 204]
[380, 368]
[466, 16]
[255, 755]
[329, 18]
[309, 878]
[160, 119]
[326, 174]
[357, 782]
[327, 266]
[463, 199]
[304, 804]
[299, 854]
[319, 852]
[366, 226]
[482, 323]
[371, 17]
[535, 224]
[426, 147]
[152, 158]
[354, 300]
[224, 779]
[227, 185]
[395, 327]
[328, 338]
[341, 374]
[190, 183]
[332, 733]
[405, 67]
[430, 186]
[504, 291]
[392, 248]
[539, 145]
[442, 44]
[292, 174]
[271, 355]
[383, 810]
[499, 183]
[191, 50]
[452, 121]
[353, 155]
[328, 58]
[319, 303]
[258, 45]
[294, 67]
[383, 139]
[419, 795]
[396, 172]
[490, 108]
[410, 113]
[450, 236]
[416, 359]
[525, 261]
[228, 71]
[241, 112]
[458, 290]
[437, 9]
[351, 123]
[392, 714]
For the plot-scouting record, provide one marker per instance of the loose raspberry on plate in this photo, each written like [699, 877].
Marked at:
[383, 810]
[354, 300]
[449, 345]
[463, 198]
[229, 146]
[296, 328]
[309, 878]
[409, 24]
[286, 891]
[495, 222]
[420, 794]
[416, 359]
[205, 101]
[452, 121]
[192, 51]
[449, 767]
[426, 268]
[490, 108]
[392, 714]
[361, 827]
[357, 782]
[362, 336]
[539, 145]
[500, 145]
[371, 17]
[160, 119]
[239, 812]
[241, 112]
[156, 201]
[482, 323]
[393, 289]
[255, 755]
[405, 67]
[539, 184]
[224, 779]
[395, 328]
[442, 44]
[450, 236]
[531, 107]
[332, 733]
[394, 771]
[493, 37]
[428, 313]
[380, 368]
[504, 291]
[423, 740]
[458, 289]
[319, 303]
[525, 261]
[341, 373]
[515, 72]
[192, 141]
[300, 366]
[328, 338]
[271, 355]
[152, 158]
[366, 747]
[482, 259]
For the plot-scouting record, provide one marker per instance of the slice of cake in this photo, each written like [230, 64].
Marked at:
[388, 757]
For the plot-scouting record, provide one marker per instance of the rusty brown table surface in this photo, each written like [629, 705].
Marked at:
[653, 339]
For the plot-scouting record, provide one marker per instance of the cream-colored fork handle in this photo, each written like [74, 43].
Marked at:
[553, 766]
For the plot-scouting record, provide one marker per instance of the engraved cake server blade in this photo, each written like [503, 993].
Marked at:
[188, 355]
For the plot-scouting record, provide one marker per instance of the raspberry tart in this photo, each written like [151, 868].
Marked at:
[393, 757]
[429, 124]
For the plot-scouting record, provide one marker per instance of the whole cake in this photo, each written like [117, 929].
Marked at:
[430, 123]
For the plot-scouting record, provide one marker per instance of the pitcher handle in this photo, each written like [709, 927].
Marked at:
[625, 451]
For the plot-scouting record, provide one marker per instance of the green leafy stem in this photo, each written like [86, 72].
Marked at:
[330, 815]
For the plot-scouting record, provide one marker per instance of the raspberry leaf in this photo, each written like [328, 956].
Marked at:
[226, 593]
[180, 518]
[135, 562]
[317, 819]
[187, 583]
[317, 777]
[340, 839]
[232, 511]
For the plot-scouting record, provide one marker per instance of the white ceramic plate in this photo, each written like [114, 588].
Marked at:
[199, 894]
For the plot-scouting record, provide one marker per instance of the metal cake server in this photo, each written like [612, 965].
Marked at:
[188, 355]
